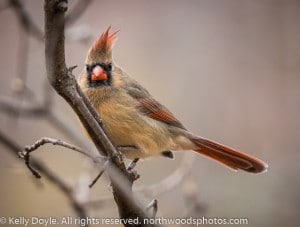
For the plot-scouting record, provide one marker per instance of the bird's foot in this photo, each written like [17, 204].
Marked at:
[127, 149]
[130, 169]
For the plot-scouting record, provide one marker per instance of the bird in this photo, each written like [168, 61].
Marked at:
[137, 123]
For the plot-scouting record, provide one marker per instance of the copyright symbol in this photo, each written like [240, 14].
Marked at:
[2, 220]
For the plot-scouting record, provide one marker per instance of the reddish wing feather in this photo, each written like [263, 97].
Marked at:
[155, 110]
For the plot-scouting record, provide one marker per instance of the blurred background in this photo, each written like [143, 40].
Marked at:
[229, 70]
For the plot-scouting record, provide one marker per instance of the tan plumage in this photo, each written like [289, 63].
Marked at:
[134, 119]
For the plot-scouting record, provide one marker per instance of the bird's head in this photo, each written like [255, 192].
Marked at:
[99, 61]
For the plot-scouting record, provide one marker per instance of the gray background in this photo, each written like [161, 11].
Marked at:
[229, 70]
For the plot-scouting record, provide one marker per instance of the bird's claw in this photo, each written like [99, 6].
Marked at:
[133, 173]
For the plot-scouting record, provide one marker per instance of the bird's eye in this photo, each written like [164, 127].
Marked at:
[109, 66]
[88, 68]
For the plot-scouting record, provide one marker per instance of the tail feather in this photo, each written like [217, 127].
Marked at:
[229, 157]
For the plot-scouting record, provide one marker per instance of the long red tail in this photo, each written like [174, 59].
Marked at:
[229, 157]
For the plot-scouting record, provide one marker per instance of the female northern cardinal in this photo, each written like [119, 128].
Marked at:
[136, 121]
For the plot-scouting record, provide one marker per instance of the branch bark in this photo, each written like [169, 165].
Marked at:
[15, 148]
[64, 83]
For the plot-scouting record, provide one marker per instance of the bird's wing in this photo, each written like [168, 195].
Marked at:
[150, 107]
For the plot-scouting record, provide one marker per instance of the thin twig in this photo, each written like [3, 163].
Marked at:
[41, 167]
[162, 187]
[45, 140]
[165, 185]
[81, 191]
[99, 175]
[25, 154]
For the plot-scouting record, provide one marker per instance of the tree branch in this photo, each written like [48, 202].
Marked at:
[65, 84]
[162, 187]
[44, 110]
[15, 148]
[25, 154]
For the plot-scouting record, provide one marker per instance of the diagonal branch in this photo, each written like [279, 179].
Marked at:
[15, 148]
[44, 110]
[25, 154]
[45, 140]
[177, 177]
[65, 84]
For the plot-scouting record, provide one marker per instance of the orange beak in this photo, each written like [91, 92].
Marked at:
[98, 73]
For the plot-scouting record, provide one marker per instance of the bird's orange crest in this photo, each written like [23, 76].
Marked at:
[106, 40]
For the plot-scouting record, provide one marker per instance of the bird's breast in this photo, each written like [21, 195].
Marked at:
[126, 126]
